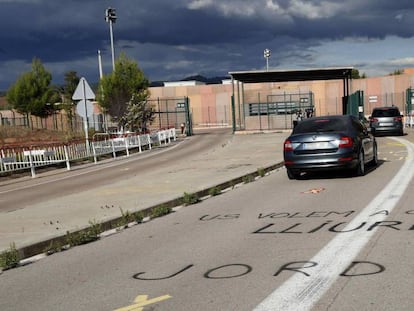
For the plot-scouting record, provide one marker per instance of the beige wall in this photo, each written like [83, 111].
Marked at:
[211, 104]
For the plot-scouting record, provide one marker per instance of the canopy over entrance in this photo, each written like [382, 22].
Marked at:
[269, 76]
[292, 75]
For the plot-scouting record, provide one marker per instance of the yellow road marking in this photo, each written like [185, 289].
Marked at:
[141, 301]
[395, 144]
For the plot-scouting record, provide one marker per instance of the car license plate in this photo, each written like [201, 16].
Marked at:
[386, 124]
[317, 145]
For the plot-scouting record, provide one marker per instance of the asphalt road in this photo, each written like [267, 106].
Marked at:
[329, 242]
[49, 187]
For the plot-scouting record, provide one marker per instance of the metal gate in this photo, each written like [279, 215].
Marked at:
[279, 111]
[172, 113]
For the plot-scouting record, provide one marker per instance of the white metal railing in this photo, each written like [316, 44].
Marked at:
[14, 159]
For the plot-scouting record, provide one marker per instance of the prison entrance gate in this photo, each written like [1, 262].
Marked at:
[278, 111]
[172, 113]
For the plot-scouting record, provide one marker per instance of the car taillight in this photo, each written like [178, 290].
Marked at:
[373, 120]
[398, 119]
[345, 142]
[288, 146]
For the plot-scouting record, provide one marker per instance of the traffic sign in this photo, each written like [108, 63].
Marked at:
[85, 110]
[83, 91]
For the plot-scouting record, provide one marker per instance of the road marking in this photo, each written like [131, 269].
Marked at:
[314, 191]
[398, 144]
[301, 292]
[141, 301]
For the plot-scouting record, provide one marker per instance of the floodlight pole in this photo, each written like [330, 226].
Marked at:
[112, 45]
[110, 17]
[100, 65]
[266, 54]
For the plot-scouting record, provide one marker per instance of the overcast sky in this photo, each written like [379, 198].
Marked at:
[173, 39]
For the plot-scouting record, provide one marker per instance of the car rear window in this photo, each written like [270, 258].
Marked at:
[321, 125]
[385, 112]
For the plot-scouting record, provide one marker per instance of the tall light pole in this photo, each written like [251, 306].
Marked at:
[110, 17]
[266, 54]
[100, 65]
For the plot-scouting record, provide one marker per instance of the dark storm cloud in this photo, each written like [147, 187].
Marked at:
[175, 39]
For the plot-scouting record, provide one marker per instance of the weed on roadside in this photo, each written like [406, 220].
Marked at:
[85, 236]
[214, 191]
[261, 172]
[248, 179]
[10, 258]
[160, 211]
[190, 198]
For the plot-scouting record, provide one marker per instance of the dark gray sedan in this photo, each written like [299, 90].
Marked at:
[386, 120]
[329, 143]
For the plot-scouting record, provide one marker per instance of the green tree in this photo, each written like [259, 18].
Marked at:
[71, 82]
[356, 75]
[117, 89]
[397, 72]
[32, 92]
[139, 112]
[66, 91]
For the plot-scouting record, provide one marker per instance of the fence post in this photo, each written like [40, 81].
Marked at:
[149, 141]
[233, 113]
[95, 160]
[113, 148]
[67, 157]
[126, 146]
[32, 168]
[139, 144]
[174, 134]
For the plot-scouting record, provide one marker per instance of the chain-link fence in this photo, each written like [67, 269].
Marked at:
[212, 116]
[59, 121]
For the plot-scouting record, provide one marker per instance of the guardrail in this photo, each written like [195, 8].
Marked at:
[15, 159]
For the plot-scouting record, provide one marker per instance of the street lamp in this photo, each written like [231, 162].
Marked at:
[266, 54]
[110, 17]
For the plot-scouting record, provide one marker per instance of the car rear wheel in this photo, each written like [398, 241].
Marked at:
[292, 174]
[374, 161]
[360, 169]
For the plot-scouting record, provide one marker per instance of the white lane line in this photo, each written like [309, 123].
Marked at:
[301, 292]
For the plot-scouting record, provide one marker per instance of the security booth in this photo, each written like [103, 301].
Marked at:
[278, 110]
[355, 105]
[409, 112]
